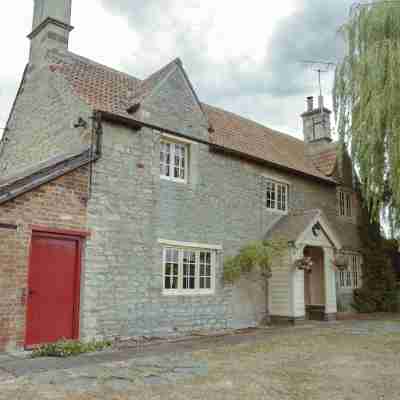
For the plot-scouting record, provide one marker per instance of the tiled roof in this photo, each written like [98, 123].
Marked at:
[106, 89]
[241, 134]
[100, 87]
[326, 160]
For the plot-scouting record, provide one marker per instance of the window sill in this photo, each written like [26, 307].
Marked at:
[278, 212]
[176, 180]
[188, 293]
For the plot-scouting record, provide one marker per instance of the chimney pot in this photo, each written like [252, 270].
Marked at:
[310, 103]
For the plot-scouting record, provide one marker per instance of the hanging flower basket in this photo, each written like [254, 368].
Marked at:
[304, 264]
[341, 262]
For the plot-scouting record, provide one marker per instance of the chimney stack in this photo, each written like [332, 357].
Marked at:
[50, 28]
[310, 103]
[317, 122]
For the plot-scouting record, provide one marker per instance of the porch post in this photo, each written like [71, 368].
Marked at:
[330, 284]
[297, 304]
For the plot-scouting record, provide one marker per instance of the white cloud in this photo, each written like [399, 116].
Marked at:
[243, 56]
[15, 24]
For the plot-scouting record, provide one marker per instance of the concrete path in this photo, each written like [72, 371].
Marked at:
[20, 365]
[355, 360]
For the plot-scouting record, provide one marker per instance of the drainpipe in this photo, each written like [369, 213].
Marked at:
[96, 144]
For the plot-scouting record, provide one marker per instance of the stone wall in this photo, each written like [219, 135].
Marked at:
[42, 122]
[223, 203]
[59, 204]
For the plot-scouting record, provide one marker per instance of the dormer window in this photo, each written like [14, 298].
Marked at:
[173, 160]
[276, 196]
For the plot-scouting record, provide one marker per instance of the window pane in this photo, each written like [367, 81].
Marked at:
[271, 195]
[189, 269]
[341, 204]
[205, 270]
[341, 279]
[348, 205]
[349, 273]
[284, 198]
[179, 161]
[281, 197]
[165, 159]
[171, 268]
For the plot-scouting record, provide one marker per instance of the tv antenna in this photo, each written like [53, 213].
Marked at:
[321, 67]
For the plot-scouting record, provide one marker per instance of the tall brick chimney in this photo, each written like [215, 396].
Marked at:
[50, 29]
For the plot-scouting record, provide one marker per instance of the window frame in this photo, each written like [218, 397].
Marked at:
[345, 204]
[180, 290]
[351, 278]
[278, 185]
[173, 142]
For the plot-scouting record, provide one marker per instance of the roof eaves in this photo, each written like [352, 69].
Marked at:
[137, 124]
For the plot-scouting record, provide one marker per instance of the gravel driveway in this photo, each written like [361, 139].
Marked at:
[342, 361]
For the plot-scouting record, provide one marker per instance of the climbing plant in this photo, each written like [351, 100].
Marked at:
[367, 102]
[254, 255]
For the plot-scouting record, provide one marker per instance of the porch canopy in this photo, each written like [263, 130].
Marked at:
[292, 291]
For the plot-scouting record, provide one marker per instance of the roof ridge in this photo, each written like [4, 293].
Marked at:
[115, 92]
[178, 61]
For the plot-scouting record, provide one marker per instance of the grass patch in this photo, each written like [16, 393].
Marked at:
[69, 348]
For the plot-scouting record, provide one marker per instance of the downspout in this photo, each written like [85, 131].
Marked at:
[98, 128]
[95, 150]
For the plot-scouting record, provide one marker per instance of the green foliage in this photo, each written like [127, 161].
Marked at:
[254, 255]
[367, 102]
[379, 290]
[68, 348]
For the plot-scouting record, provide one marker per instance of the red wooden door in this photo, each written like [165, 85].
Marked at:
[53, 289]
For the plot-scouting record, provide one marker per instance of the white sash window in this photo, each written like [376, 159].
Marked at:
[188, 270]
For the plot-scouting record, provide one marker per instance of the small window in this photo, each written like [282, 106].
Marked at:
[352, 277]
[276, 196]
[173, 160]
[345, 204]
[188, 271]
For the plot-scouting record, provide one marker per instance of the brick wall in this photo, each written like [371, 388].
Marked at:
[60, 204]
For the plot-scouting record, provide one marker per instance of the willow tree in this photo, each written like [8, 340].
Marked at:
[367, 103]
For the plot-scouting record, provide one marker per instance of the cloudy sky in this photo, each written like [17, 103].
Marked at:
[242, 56]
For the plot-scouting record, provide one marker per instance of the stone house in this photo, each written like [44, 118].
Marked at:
[120, 199]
